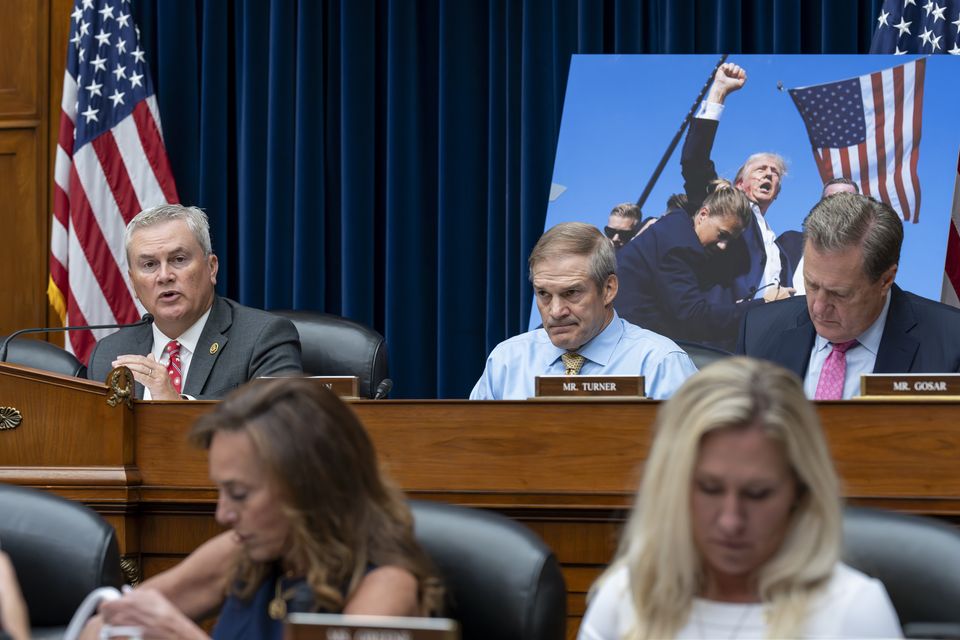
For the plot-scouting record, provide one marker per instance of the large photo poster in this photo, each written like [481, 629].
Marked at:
[788, 126]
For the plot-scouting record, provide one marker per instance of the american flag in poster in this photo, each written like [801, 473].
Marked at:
[906, 26]
[867, 129]
[111, 164]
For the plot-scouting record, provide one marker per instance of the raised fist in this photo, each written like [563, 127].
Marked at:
[729, 78]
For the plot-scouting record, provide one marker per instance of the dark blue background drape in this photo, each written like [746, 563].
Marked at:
[390, 160]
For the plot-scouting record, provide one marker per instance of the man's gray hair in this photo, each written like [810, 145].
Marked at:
[195, 218]
[778, 161]
[576, 239]
[846, 220]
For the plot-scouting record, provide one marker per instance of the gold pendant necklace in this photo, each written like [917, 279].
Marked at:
[277, 609]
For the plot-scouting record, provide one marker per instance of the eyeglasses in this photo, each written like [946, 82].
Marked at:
[626, 235]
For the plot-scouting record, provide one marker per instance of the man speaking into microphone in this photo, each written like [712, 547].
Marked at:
[200, 345]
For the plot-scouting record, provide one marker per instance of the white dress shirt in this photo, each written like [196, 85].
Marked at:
[188, 345]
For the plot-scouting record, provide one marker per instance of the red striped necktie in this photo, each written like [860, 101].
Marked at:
[173, 364]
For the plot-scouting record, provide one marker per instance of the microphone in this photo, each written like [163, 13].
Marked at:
[146, 319]
[383, 389]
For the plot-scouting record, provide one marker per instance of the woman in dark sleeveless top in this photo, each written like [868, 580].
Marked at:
[316, 525]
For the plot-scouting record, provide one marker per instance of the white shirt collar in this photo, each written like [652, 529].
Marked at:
[188, 339]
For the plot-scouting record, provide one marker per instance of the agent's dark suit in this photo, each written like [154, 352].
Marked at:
[670, 284]
[745, 257]
[920, 335]
[249, 343]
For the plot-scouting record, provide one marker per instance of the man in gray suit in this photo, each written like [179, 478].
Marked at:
[200, 345]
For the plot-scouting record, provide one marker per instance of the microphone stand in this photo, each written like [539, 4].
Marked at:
[146, 319]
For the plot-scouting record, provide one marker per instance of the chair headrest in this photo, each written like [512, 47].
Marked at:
[43, 355]
[61, 551]
[335, 346]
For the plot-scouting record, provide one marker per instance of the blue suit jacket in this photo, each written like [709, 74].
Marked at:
[669, 284]
[250, 343]
[920, 336]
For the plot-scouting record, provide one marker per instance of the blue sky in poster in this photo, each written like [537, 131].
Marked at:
[621, 112]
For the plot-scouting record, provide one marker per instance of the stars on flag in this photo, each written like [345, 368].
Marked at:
[904, 26]
[107, 61]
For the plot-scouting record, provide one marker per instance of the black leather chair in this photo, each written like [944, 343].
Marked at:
[502, 580]
[335, 346]
[701, 354]
[43, 355]
[61, 551]
[918, 561]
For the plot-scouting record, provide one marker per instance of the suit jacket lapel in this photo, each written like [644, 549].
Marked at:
[209, 347]
[897, 347]
[793, 350]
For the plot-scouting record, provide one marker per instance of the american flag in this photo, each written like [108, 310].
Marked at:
[950, 294]
[914, 26]
[867, 129]
[111, 164]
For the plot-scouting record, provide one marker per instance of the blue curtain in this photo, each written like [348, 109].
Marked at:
[390, 160]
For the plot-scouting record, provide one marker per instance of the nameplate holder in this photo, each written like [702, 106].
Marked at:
[343, 386]
[910, 384]
[589, 386]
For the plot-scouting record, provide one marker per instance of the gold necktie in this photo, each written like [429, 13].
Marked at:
[573, 362]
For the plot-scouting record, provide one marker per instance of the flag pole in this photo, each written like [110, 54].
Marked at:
[676, 138]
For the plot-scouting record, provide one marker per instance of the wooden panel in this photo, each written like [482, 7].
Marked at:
[23, 261]
[23, 36]
[566, 470]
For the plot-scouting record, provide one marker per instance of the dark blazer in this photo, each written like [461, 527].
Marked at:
[920, 336]
[745, 257]
[669, 284]
[249, 343]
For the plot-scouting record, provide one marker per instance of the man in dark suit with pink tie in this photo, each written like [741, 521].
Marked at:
[853, 319]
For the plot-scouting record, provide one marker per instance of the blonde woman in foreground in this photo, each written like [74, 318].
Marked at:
[736, 532]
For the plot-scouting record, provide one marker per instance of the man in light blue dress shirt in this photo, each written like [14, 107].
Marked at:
[573, 272]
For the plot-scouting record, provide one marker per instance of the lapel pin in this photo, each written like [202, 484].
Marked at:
[214, 348]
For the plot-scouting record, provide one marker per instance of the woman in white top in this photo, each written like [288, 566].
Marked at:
[736, 530]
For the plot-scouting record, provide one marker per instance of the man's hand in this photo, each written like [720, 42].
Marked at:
[151, 374]
[773, 294]
[729, 78]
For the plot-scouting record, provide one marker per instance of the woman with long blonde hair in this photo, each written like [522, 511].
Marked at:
[736, 531]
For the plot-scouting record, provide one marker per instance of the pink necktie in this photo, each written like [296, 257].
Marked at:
[830, 384]
[173, 364]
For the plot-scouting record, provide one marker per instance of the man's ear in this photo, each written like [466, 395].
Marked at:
[886, 280]
[133, 282]
[214, 267]
[610, 288]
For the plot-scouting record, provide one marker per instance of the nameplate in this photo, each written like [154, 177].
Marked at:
[910, 384]
[325, 626]
[343, 386]
[595, 386]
